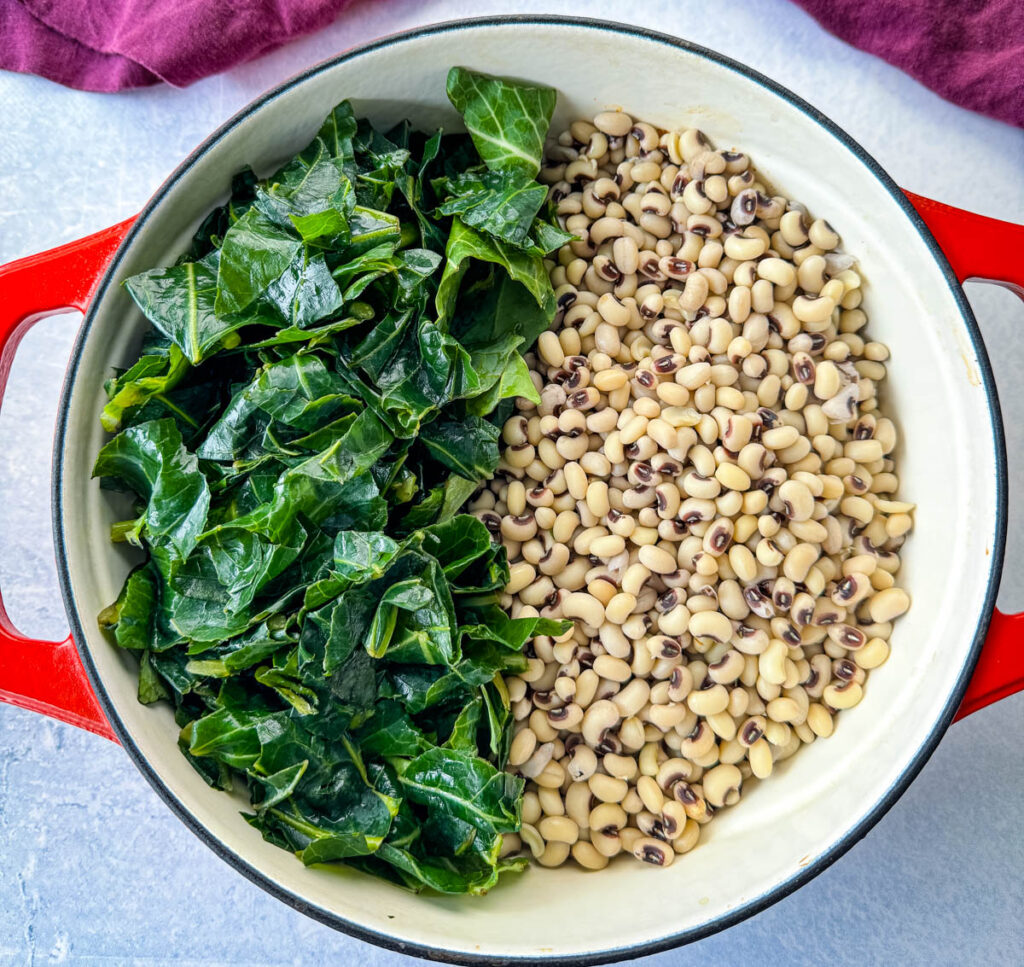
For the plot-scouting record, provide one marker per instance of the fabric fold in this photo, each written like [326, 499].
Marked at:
[970, 52]
[131, 43]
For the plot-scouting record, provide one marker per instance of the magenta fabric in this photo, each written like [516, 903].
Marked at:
[970, 52]
[110, 45]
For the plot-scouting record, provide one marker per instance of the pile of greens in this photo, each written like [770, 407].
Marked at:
[332, 361]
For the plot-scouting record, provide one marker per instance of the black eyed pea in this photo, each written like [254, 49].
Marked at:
[777, 271]
[739, 700]
[721, 785]
[632, 698]
[552, 776]
[607, 789]
[588, 856]
[614, 641]
[820, 720]
[751, 730]
[614, 124]
[717, 538]
[698, 743]
[847, 636]
[687, 839]
[771, 663]
[708, 701]
[613, 669]
[600, 718]
[632, 734]
[537, 592]
[619, 608]
[656, 559]
[520, 576]
[555, 560]
[873, 654]
[524, 743]
[565, 687]
[823, 235]
[888, 604]
[531, 808]
[653, 851]
[584, 606]
[620, 766]
[732, 476]
[555, 854]
[850, 590]
[568, 717]
[726, 669]
[709, 624]
[521, 528]
[785, 709]
[582, 763]
[558, 829]
[538, 761]
[577, 804]
[673, 771]
[761, 758]
[516, 688]
[551, 803]
[680, 683]
[842, 695]
[691, 797]
[799, 561]
[665, 717]
[780, 437]
[650, 757]
[607, 844]
[673, 820]
[797, 500]
[531, 837]
[863, 451]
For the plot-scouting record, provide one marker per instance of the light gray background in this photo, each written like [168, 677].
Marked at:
[93, 867]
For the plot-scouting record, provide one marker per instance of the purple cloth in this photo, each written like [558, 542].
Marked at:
[970, 52]
[109, 45]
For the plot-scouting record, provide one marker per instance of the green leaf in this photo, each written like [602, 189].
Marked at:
[151, 688]
[131, 616]
[465, 245]
[460, 784]
[360, 556]
[391, 732]
[468, 446]
[150, 376]
[319, 397]
[501, 203]
[508, 120]
[152, 460]
[179, 300]
[256, 253]
[305, 292]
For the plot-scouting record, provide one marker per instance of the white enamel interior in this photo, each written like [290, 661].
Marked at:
[947, 462]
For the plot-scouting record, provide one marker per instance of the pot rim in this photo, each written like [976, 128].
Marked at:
[784, 887]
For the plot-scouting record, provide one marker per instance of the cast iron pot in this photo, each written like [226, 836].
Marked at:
[913, 254]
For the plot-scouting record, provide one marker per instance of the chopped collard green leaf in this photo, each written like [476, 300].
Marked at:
[322, 393]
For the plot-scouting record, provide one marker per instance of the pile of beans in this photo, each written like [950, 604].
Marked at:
[706, 487]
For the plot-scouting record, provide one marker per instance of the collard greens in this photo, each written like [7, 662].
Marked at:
[331, 362]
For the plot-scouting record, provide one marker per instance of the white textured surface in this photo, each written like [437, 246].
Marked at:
[93, 868]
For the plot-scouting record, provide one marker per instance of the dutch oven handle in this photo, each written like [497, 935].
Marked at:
[47, 676]
[987, 250]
